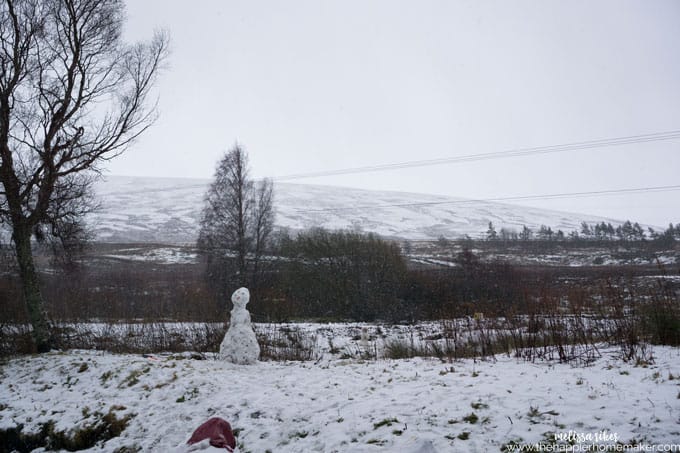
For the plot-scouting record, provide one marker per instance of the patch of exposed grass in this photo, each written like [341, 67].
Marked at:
[193, 393]
[471, 418]
[133, 378]
[105, 377]
[299, 435]
[385, 422]
[283, 344]
[400, 349]
[479, 405]
[533, 412]
[105, 427]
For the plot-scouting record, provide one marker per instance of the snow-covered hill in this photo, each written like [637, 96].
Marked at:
[136, 209]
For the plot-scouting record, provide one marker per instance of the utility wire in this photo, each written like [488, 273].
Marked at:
[575, 146]
[501, 199]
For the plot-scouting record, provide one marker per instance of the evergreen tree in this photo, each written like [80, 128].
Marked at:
[598, 231]
[619, 232]
[545, 233]
[585, 230]
[491, 234]
[627, 230]
[638, 232]
[652, 233]
[610, 231]
[526, 233]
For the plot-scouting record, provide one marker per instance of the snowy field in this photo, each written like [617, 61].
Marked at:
[443, 258]
[342, 405]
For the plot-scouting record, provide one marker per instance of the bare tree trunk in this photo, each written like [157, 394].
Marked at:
[31, 289]
[242, 206]
[262, 222]
[242, 249]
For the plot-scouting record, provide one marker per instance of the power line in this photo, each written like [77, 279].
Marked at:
[501, 199]
[575, 146]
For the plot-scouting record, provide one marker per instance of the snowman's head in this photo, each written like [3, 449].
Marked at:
[240, 297]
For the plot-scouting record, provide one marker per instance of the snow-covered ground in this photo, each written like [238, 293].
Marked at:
[187, 254]
[575, 258]
[340, 405]
[157, 254]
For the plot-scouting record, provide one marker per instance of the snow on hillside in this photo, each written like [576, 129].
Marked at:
[410, 406]
[138, 209]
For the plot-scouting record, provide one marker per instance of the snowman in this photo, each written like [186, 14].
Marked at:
[240, 344]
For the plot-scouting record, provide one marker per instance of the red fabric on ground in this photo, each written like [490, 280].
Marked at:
[218, 431]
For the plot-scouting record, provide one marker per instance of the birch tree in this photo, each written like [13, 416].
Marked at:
[72, 96]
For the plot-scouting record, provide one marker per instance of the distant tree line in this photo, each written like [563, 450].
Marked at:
[603, 231]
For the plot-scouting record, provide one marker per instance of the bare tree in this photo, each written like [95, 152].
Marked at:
[237, 221]
[263, 221]
[72, 95]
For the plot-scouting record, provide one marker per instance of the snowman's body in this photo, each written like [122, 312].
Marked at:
[240, 344]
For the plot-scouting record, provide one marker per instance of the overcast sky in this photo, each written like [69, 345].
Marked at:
[314, 85]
